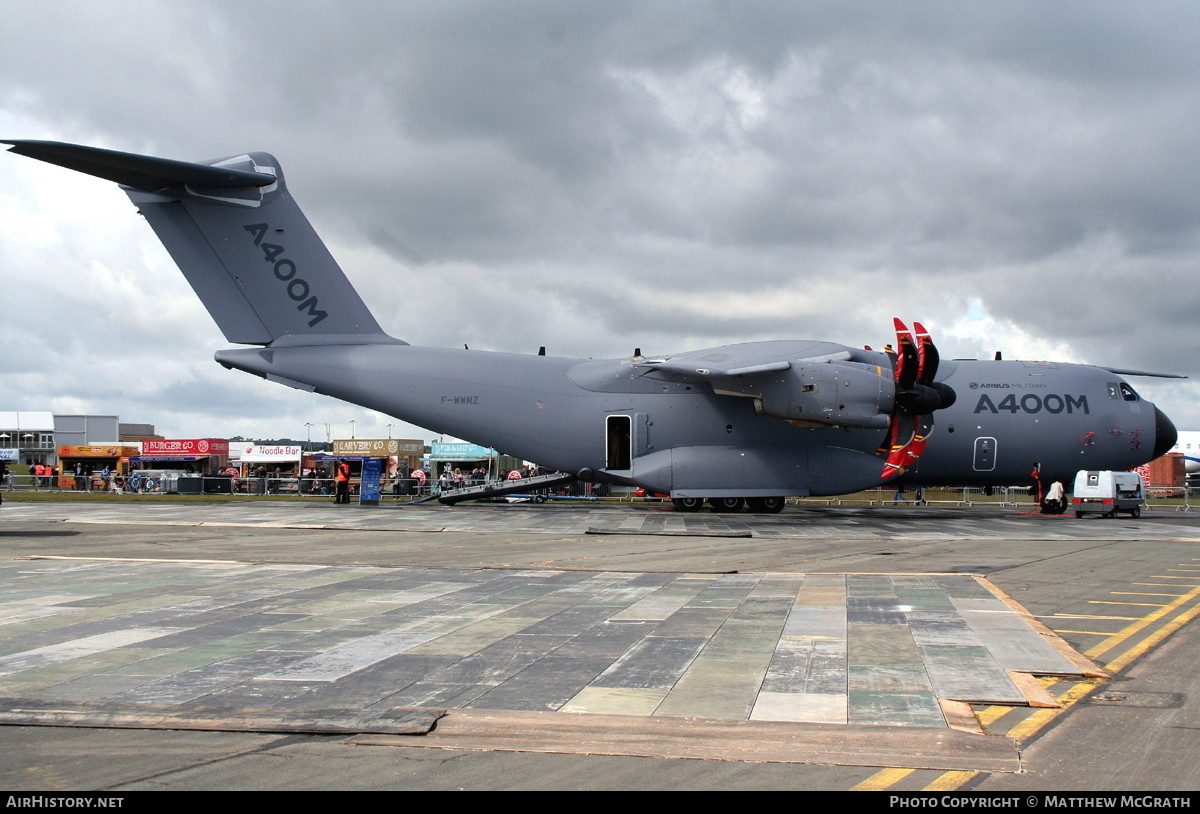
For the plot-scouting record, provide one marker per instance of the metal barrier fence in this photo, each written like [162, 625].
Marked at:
[1013, 497]
[1177, 498]
[137, 483]
[290, 486]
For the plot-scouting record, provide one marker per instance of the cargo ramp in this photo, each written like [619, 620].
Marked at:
[498, 488]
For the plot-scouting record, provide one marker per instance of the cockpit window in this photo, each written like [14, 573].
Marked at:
[1128, 393]
[1113, 390]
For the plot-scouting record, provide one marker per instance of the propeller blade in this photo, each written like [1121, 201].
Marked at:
[906, 372]
[902, 456]
[917, 397]
[894, 465]
[928, 355]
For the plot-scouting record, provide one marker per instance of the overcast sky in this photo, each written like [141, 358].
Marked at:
[599, 176]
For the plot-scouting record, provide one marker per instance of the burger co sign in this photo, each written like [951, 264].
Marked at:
[186, 446]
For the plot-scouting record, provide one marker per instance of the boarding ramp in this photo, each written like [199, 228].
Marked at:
[497, 488]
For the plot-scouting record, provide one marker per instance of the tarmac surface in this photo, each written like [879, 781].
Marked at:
[306, 645]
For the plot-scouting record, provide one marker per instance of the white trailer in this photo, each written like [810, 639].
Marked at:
[1106, 492]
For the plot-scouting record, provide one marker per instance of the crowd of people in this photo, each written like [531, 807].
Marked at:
[337, 479]
[81, 477]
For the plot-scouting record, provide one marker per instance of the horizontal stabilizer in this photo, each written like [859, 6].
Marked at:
[239, 238]
[138, 171]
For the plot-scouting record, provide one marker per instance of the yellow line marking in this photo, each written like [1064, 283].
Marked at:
[1121, 661]
[1140, 593]
[1168, 576]
[1158, 584]
[1036, 720]
[882, 779]
[950, 781]
[1086, 632]
[990, 715]
[1141, 624]
[1091, 616]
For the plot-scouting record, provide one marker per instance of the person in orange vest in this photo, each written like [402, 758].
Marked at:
[38, 471]
[342, 485]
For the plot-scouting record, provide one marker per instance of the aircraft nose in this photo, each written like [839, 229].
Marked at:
[1165, 435]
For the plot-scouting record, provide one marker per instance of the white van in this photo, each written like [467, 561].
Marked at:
[1105, 492]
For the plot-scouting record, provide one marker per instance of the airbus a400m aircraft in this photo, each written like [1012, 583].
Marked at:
[746, 423]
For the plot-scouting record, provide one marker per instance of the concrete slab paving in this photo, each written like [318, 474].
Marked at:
[865, 649]
[449, 582]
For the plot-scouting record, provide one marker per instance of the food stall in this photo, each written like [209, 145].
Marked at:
[267, 469]
[450, 456]
[93, 460]
[398, 457]
[165, 462]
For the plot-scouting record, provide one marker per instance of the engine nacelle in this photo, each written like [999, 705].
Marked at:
[845, 394]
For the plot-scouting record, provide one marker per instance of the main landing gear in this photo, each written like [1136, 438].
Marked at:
[730, 505]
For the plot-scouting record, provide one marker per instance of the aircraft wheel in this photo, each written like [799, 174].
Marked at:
[1136, 513]
[687, 504]
[539, 498]
[727, 504]
[765, 505]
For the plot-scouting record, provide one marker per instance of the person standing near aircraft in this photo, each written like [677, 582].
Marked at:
[342, 478]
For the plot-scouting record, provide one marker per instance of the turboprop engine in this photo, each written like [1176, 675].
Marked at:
[844, 394]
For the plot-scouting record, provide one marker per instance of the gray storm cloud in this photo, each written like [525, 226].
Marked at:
[593, 177]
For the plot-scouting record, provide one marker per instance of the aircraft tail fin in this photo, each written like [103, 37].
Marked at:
[239, 238]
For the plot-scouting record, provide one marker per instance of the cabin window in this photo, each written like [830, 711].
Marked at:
[1120, 390]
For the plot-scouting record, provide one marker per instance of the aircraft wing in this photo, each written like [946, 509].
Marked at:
[750, 359]
[807, 383]
[1122, 372]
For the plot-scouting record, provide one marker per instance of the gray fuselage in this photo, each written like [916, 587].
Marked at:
[686, 440]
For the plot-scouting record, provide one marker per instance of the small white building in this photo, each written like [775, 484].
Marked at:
[34, 436]
[27, 437]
